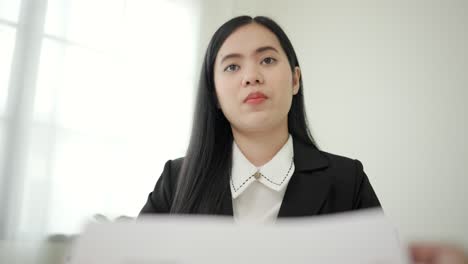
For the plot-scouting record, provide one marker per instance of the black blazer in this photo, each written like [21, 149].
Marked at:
[322, 183]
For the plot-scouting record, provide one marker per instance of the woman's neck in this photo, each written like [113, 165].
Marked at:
[261, 146]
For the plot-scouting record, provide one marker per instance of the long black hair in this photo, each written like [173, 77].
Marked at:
[204, 176]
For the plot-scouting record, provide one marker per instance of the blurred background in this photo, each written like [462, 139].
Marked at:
[96, 95]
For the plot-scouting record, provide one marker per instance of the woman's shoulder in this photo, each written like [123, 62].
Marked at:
[337, 158]
[172, 168]
[310, 157]
[341, 163]
[176, 164]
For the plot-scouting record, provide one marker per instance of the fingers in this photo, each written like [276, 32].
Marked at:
[423, 252]
[432, 253]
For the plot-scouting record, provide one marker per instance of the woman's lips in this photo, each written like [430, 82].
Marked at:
[255, 98]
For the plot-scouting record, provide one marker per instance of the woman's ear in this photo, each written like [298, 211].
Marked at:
[296, 80]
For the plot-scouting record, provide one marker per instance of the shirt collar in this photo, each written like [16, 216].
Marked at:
[275, 174]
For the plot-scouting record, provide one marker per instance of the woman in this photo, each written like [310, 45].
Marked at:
[251, 154]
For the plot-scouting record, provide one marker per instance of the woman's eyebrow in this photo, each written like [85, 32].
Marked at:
[258, 50]
[232, 55]
[265, 48]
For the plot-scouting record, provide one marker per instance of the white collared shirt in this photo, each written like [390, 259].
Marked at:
[258, 199]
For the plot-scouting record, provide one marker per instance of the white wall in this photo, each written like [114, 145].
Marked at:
[386, 82]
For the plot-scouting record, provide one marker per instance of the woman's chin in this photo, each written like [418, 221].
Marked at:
[257, 125]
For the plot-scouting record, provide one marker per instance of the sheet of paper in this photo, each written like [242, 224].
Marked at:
[363, 237]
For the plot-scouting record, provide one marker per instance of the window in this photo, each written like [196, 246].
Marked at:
[113, 102]
[7, 41]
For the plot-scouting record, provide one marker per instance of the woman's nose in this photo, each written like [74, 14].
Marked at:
[252, 78]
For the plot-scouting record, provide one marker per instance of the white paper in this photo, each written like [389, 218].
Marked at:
[364, 237]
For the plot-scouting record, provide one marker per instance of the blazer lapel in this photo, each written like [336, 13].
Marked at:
[309, 185]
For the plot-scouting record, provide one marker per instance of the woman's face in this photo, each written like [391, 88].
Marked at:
[253, 80]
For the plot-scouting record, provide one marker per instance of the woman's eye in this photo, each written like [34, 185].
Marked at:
[268, 60]
[231, 68]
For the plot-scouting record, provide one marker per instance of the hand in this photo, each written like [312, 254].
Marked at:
[434, 253]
